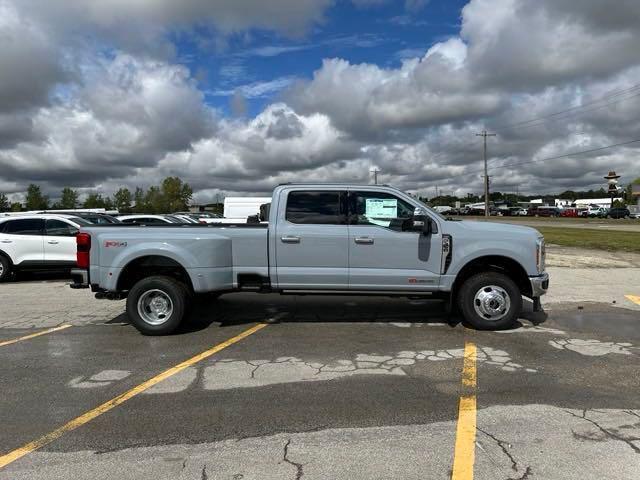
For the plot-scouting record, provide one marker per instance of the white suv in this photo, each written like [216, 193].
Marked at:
[38, 242]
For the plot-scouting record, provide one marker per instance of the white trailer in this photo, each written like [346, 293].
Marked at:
[237, 209]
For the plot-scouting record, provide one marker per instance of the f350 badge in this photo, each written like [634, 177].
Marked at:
[114, 243]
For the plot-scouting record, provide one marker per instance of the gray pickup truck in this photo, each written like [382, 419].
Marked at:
[319, 238]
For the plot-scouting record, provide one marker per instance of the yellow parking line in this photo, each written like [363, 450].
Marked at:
[634, 298]
[34, 335]
[464, 454]
[114, 402]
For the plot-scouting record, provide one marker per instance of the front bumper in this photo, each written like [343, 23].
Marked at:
[80, 278]
[539, 285]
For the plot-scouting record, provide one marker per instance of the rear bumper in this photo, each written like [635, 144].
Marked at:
[80, 278]
[539, 285]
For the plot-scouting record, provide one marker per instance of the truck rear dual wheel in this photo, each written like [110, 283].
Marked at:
[490, 301]
[157, 305]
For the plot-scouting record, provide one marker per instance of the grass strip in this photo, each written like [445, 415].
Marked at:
[590, 238]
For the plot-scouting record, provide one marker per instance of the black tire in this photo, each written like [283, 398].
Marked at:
[167, 288]
[5, 269]
[473, 286]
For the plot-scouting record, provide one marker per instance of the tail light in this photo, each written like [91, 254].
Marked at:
[83, 244]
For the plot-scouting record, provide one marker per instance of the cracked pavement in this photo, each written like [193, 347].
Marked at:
[336, 387]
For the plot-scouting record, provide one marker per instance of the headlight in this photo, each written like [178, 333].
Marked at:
[540, 255]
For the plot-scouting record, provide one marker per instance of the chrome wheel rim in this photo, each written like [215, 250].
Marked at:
[492, 303]
[155, 307]
[1, 269]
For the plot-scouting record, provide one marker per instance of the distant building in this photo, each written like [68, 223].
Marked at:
[600, 202]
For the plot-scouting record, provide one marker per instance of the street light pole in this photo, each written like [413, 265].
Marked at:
[484, 136]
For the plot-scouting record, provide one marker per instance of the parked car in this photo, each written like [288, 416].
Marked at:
[38, 242]
[319, 239]
[600, 212]
[523, 212]
[199, 217]
[143, 219]
[544, 211]
[518, 212]
[443, 209]
[96, 218]
[569, 212]
[181, 218]
[619, 213]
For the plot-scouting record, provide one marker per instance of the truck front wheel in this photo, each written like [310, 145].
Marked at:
[490, 301]
[156, 305]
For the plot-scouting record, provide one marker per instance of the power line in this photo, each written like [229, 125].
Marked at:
[569, 116]
[609, 95]
[555, 157]
[529, 124]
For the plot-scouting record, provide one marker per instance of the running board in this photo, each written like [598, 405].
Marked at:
[386, 293]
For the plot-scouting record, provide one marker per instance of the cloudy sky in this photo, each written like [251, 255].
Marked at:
[236, 96]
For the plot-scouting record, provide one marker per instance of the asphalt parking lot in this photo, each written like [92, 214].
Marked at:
[319, 387]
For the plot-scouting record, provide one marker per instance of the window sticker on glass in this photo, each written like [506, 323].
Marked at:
[381, 208]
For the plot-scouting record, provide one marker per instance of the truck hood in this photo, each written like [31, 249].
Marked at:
[495, 228]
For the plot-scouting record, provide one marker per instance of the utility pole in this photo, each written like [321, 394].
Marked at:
[375, 171]
[484, 136]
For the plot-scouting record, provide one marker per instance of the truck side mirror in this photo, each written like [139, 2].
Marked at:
[421, 221]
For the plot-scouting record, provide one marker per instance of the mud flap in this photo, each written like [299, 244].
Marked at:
[537, 306]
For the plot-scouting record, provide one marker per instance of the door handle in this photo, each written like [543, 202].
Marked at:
[364, 240]
[53, 242]
[6, 241]
[287, 239]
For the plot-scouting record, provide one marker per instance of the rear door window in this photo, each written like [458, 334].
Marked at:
[316, 208]
[25, 226]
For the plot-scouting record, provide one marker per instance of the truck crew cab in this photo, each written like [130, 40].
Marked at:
[319, 238]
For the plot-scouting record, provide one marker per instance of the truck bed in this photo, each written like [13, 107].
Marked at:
[213, 255]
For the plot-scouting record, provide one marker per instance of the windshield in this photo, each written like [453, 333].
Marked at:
[81, 221]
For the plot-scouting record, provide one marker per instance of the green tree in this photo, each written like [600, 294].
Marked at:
[569, 195]
[94, 200]
[154, 201]
[35, 199]
[68, 199]
[176, 194]
[139, 201]
[122, 200]
[16, 207]
[629, 189]
[4, 203]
